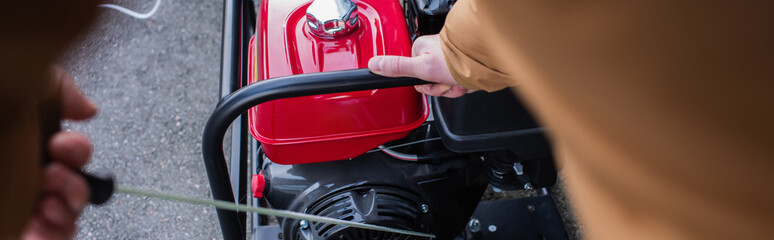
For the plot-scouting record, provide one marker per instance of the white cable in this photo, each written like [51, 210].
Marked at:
[398, 155]
[403, 145]
[133, 13]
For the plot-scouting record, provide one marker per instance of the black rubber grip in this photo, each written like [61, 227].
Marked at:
[101, 184]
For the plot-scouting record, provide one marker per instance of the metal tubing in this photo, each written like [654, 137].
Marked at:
[232, 224]
[255, 166]
[236, 103]
[230, 48]
[238, 162]
[239, 132]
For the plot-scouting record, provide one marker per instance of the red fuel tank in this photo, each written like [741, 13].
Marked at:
[331, 126]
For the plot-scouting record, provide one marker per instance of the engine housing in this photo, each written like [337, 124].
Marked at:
[434, 196]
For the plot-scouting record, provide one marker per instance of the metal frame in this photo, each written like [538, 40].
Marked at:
[231, 183]
[528, 218]
[238, 26]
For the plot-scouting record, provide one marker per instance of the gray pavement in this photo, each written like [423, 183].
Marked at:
[155, 81]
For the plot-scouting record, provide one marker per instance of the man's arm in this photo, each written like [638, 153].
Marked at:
[32, 37]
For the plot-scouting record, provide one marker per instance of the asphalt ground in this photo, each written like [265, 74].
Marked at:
[156, 82]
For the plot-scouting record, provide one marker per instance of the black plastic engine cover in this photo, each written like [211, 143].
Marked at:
[483, 121]
[377, 189]
[426, 16]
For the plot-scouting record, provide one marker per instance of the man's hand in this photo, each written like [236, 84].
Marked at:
[427, 63]
[65, 192]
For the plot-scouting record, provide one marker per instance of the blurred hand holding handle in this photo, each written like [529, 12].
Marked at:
[32, 37]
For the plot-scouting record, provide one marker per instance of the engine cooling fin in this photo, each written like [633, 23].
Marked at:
[379, 205]
[358, 234]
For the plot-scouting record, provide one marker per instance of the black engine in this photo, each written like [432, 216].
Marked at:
[433, 196]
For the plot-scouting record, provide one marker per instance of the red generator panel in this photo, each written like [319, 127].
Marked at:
[331, 126]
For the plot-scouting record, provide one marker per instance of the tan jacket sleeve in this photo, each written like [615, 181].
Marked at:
[661, 110]
[468, 56]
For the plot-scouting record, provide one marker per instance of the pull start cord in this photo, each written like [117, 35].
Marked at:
[266, 211]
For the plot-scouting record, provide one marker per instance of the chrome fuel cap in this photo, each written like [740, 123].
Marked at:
[331, 18]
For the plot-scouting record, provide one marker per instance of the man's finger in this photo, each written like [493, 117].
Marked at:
[394, 66]
[438, 89]
[455, 92]
[424, 88]
[57, 212]
[433, 89]
[424, 44]
[63, 181]
[74, 105]
[40, 229]
[70, 148]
